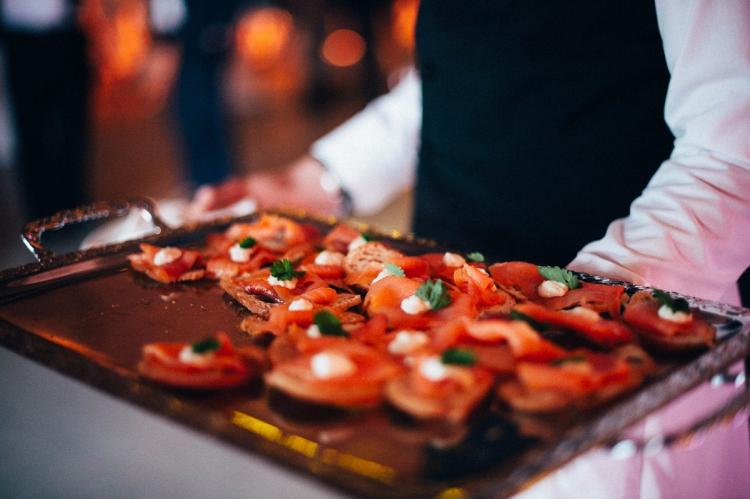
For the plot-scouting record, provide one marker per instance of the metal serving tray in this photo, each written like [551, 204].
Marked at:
[87, 315]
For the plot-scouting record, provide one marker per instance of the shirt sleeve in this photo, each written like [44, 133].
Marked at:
[374, 154]
[689, 231]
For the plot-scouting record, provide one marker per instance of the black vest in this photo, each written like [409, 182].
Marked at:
[542, 122]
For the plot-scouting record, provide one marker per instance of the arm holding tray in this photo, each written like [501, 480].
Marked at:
[690, 229]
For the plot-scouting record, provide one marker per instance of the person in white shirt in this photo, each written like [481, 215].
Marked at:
[687, 231]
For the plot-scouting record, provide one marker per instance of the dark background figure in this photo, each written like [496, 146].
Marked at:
[205, 39]
[360, 15]
[49, 78]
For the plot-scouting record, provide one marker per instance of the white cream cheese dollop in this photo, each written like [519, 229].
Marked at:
[406, 342]
[239, 254]
[330, 258]
[287, 283]
[300, 304]
[433, 369]
[187, 356]
[668, 314]
[551, 289]
[357, 243]
[414, 305]
[326, 365]
[167, 255]
[313, 332]
[383, 274]
[585, 312]
[453, 260]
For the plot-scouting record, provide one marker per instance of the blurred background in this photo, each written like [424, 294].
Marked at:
[105, 99]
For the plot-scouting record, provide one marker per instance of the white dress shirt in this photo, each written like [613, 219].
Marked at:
[689, 231]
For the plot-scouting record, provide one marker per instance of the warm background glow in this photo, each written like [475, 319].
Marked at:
[343, 47]
[262, 36]
[404, 13]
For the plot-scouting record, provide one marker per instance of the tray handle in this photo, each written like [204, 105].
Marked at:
[727, 413]
[32, 232]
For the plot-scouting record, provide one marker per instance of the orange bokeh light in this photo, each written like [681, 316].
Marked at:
[131, 39]
[262, 36]
[404, 15]
[343, 48]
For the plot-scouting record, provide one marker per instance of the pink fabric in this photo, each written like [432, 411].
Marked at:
[715, 465]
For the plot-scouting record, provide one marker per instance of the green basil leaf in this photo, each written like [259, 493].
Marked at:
[458, 356]
[475, 257]
[558, 274]
[284, 271]
[247, 243]
[329, 324]
[394, 269]
[435, 293]
[205, 346]
[676, 304]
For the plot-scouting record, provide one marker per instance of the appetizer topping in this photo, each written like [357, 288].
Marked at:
[673, 309]
[558, 274]
[300, 304]
[459, 357]
[475, 257]
[571, 359]
[190, 357]
[330, 258]
[167, 255]
[239, 254]
[207, 345]
[675, 304]
[551, 289]
[585, 312]
[327, 365]
[433, 369]
[394, 269]
[247, 243]
[360, 241]
[199, 354]
[289, 284]
[283, 274]
[328, 324]
[414, 305]
[389, 269]
[382, 275]
[406, 341]
[434, 293]
[284, 271]
[436, 370]
[453, 260]
[667, 313]
[313, 331]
